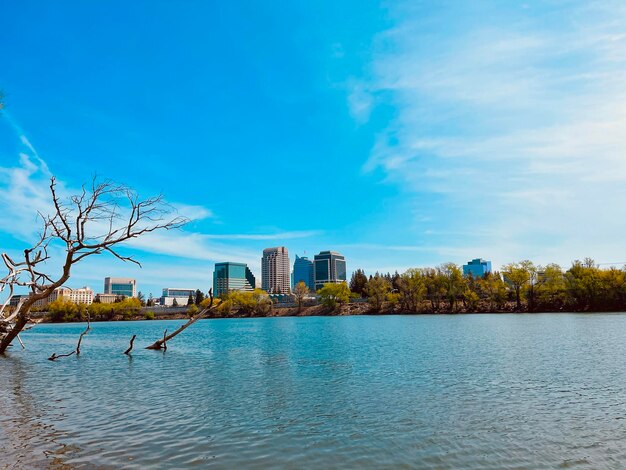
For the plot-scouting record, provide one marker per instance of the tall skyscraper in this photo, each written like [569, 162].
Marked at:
[303, 272]
[120, 286]
[232, 276]
[275, 270]
[330, 267]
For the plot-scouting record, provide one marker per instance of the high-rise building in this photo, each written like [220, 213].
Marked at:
[330, 267]
[303, 272]
[232, 276]
[478, 267]
[120, 286]
[275, 270]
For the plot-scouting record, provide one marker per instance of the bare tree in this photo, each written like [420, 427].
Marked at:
[95, 221]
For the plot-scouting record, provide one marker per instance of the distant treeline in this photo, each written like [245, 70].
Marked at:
[517, 287]
[521, 286]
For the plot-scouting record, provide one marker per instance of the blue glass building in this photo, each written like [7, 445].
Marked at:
[303, 272]
[329, 267]
[477, 267]
[232, 276]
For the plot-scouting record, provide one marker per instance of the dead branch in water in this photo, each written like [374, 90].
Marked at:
[77, 350]
[130, 348]
[54, 356]
[161, 343]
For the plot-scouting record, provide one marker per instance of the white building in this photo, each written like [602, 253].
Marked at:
[275, 270]
[174, 293]
[83, 295]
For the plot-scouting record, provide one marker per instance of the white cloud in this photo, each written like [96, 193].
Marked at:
[185, 257]
[518, 127]
[193, 212]
[360, 101]
[266, 236]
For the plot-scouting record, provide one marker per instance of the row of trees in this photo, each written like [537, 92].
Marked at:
[521, 286]
[64, 310]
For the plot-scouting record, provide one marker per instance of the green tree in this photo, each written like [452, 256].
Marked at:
[192, 299]
[435, 287]
[246, 303]
[300, 291]
[175, 303]
[411, 290]
[517, 276]
[142, 298]
[493, 290]
[583, 284]
[192, 309]
[333, 295]
[453, 283]
[62, 309]
[199, 297]
[376, 291]
[358, 282]
[551, 289]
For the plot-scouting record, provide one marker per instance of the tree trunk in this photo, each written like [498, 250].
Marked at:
[20, 323]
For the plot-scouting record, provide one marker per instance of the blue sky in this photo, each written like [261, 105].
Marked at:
[402, 134]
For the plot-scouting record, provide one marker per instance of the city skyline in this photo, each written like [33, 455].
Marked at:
[432, 139]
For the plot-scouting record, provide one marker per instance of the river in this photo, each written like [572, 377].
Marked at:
[423, 391]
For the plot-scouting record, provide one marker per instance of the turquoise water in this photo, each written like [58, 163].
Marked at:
[465, 391]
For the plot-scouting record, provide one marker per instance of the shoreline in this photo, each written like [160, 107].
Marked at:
[316, 311]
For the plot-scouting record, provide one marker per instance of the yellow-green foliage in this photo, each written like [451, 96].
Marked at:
[376, 291]
[65, 310]
[332, 295]
[247, 303]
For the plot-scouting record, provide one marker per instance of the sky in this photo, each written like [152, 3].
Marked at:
[401, 134]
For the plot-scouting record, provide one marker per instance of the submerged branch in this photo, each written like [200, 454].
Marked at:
[161, 343]
[130, 348]
[77, 350]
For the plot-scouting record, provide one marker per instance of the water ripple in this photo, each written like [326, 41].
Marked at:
[474, 391]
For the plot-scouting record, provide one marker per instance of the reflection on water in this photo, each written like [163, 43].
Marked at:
[474, 391]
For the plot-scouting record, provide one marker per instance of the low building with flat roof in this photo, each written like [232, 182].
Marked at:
[181, 295]
[108, 298]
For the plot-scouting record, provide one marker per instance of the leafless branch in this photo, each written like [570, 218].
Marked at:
[161, 343]
[130, 348]
[101, 217]
[77, 350]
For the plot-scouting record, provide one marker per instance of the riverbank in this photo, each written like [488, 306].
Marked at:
[350, 309]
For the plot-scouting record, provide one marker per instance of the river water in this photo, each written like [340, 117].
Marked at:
[428, 391]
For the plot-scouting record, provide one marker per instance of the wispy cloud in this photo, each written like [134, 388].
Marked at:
[514, 125]
[24, 191]
[266, 236]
